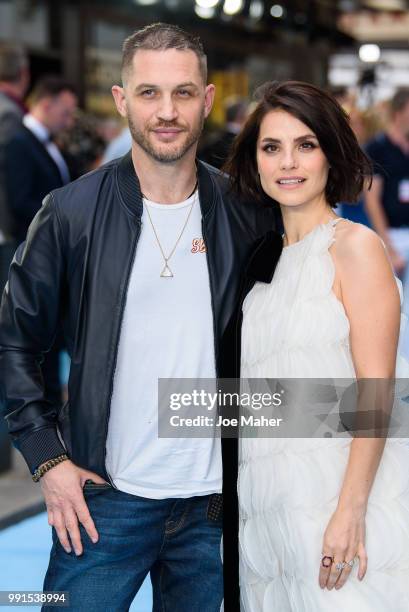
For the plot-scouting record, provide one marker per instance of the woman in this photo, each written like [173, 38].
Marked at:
[324, 523]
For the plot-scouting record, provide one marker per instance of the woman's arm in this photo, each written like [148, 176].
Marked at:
[367, 287]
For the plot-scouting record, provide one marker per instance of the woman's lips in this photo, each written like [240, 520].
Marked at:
[291, 183]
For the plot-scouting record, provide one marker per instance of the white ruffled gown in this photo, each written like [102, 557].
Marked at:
[295, 327]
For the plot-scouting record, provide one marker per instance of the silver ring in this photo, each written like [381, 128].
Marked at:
[340, 566]
[351, 563]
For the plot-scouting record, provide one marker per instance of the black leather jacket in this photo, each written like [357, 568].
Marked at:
[75, 267]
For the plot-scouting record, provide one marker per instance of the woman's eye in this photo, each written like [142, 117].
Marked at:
[270, 148]
[308, 145]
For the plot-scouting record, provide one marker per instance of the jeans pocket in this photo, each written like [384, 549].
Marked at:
[90, 485]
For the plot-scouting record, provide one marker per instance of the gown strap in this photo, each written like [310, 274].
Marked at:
[334, 222]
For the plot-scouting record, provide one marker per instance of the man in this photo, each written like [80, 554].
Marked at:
[387, 202]
[34, 165]
[14, 80]
[115, 255]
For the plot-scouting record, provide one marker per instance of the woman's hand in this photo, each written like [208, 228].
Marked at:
[344, 539]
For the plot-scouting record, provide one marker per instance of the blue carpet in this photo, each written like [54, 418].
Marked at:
[24, 553]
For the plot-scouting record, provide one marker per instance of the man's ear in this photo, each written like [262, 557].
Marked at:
[209, 99]
[120, 101]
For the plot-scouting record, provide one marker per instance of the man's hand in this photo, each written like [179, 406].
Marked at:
[62, 489]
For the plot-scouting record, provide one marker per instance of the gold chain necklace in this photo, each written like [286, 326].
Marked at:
[167, 272]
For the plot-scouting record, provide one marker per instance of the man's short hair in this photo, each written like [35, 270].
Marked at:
[160, 37]
[50, 86]
[399, 100]
[13, 60]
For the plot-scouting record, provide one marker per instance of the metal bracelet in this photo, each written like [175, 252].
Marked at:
[45, 467]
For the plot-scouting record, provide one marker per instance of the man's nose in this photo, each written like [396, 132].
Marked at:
[167, 110]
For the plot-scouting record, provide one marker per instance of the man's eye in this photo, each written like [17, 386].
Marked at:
[184, 93]
[147, 93]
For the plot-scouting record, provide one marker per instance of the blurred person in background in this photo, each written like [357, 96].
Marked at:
[342, 95]
[353, 211]
[118, 146]
[14, 81]
[216, 151]
[34, 164]
[82, 145]
[109, 128]
[387, 202]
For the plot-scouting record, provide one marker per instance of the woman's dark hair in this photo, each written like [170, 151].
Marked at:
[350, 167]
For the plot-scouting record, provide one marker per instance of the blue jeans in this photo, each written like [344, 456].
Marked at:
[173, 539]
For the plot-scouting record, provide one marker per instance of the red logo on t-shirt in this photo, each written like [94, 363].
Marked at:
[198, 245]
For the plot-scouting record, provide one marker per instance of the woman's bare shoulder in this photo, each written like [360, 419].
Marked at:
[356, 243]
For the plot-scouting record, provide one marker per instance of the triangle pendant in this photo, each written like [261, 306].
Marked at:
[166, 272]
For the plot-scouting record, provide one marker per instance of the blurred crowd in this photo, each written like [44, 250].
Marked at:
[47, 141]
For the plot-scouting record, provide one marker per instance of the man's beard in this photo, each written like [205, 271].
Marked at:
[167, 156]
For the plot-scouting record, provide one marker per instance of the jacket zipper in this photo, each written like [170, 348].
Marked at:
[216, 354]
[118, 336]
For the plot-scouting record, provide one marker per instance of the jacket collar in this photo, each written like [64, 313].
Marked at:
[128, 185]
[265, 257]
[130, 190]
[206, 187]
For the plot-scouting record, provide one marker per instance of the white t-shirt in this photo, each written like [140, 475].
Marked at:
[167, 332]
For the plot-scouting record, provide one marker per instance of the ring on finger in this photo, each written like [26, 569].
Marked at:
[351, 563]
[327, 561]
[340, 566]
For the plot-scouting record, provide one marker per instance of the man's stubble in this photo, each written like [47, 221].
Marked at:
[166, 157]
